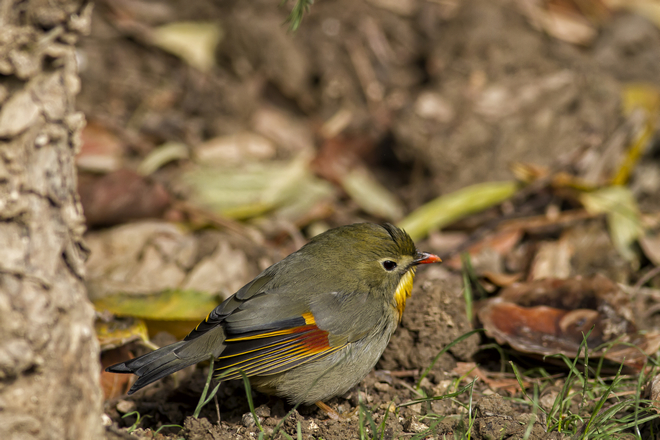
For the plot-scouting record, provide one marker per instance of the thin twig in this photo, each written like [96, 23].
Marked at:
[648, 276]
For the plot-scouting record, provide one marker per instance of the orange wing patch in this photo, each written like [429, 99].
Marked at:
[275, 351]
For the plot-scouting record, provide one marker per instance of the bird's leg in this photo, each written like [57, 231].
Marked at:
[334, 415]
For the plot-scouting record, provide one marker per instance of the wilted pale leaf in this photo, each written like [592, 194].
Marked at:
[193, 42]
[552, 260]
[623, 217]
[651, 246]
[162, 155]
[452, 207]
[370, 195]
[235, 149]
[251, 190]
[167, 306]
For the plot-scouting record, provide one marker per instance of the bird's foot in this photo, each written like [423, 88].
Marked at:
[333, 414]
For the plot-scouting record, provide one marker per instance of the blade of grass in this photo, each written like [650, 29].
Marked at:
[442, 397]
[600, 404]
[203, 400]
[522, 388]
[248, 392]
[443, 351]
[382, 424]
[532, 419]
[472, 277]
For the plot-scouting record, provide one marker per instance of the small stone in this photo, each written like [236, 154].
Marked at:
[262, 411]
[125, 406]
[106, 420]
[388, 407]
[413, 425]
[248, 420]
[382, 387]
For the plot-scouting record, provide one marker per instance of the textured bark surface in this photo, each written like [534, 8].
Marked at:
[49, 365]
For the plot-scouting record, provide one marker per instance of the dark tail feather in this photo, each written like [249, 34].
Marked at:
[166, 360]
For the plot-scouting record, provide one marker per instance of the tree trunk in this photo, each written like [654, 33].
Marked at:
[49, 368]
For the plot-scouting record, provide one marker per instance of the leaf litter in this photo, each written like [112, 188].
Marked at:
[533, 166]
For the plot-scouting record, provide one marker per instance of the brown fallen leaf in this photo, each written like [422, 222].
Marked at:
[655, 392]
[501, 243]
[551, 316]
[114, 385]
[502, 279]
[552, 260]
[100, 151]
[120, 196]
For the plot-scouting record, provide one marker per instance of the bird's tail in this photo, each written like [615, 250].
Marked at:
[171, 358]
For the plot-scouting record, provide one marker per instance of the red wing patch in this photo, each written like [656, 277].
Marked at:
[274, 351]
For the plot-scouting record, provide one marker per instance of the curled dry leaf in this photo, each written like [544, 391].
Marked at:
[115, 385]
[551, 316]
[552, 260]
[101, 150]
[502, 279]
[501, 243]
[119, 197]
[655, 392]
[193, 42]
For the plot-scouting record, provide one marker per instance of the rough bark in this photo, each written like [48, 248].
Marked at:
[49, 365]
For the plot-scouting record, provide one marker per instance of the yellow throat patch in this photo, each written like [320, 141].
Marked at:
[403, 290]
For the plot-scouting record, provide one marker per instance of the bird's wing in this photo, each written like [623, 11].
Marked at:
[218, 315]
[287, 343]
[267, 330]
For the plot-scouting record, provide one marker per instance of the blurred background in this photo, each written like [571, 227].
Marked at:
[522, 133]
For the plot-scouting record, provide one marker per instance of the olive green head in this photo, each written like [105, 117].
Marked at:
[367, 257]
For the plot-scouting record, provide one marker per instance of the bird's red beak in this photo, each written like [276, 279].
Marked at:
[426, 258]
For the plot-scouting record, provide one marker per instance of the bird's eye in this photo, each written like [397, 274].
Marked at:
[389, 265]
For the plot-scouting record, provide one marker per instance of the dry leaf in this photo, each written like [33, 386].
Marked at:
[501, 243]
[651, 246]
[502, 279]
[120, 196]
[101, 150]
[552, 260]
[552, 316]
[193, 42]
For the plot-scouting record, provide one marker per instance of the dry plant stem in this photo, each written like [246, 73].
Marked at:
[643, 280]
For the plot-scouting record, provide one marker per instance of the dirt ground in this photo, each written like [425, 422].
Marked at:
[441, 95]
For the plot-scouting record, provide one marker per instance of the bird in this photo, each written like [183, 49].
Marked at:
[309, 327]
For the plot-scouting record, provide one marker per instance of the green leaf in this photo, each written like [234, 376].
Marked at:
[623, 217]
[451, 207]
